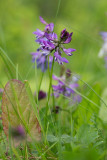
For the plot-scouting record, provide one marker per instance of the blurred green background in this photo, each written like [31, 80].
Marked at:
[86, 18]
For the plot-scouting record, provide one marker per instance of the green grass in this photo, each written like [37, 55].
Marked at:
[77, 131]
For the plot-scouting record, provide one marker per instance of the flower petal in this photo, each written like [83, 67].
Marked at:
[64, 60]
[51, 36]
[68, 51]
[60, 59]
[74, 85]
[49, 27]
[42, 20]
[39, 33]
[68, 40]
[55, 77]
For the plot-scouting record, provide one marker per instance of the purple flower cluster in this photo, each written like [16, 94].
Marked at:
[50, 47]
[66, 86]
[103, 50]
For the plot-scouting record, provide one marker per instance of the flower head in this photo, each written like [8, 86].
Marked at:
[66, 86]
[41, 95]
[18, 132]
[104, 35]
[1, 92]
[65, 36]
[50, 46]
[103, 50]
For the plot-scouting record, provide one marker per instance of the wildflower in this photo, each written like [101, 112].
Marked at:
[68, 73]
[103, 50]
[65, 36]
[41, 95]
[56, 109]
[50, 47]
[76, 98]
[66, 86]
[18, 132]
[1, 91]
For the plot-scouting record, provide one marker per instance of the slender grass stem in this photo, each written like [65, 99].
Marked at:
[2, 54]
[40, 82]
[49, 93]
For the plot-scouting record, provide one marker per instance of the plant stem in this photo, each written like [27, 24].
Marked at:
[49, 93]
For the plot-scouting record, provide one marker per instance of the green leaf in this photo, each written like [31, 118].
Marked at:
[52, 138]
[87, 134]
[17, 110]
[64, 138]
[87, 110]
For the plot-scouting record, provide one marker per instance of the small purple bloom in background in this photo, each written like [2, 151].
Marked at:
[68, 73]
[50, 47]
[76, 98]
[66, 86]
[41, 95]
[56, 109]
[18, 132]
[1, 91]
[103, 50]
[104, 35]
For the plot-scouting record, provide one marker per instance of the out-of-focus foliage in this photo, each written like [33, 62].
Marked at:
[18, 19]
[74, 134]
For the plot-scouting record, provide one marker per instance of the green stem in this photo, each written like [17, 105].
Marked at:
[40, 82]
[49, 93]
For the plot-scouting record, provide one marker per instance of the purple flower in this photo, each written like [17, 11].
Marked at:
[39, 33]
[69, 51]
[56, 109]
[41, 95]
[18, 132]
[103, 50]
[51, 36]
[68, 73]
[48, 27]
[42, 60]
[104, 35]
[51, 46]
[66, 86]
[1, 91]
[65, 36]
[42, 20]
[60, 59]
[76, 98]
